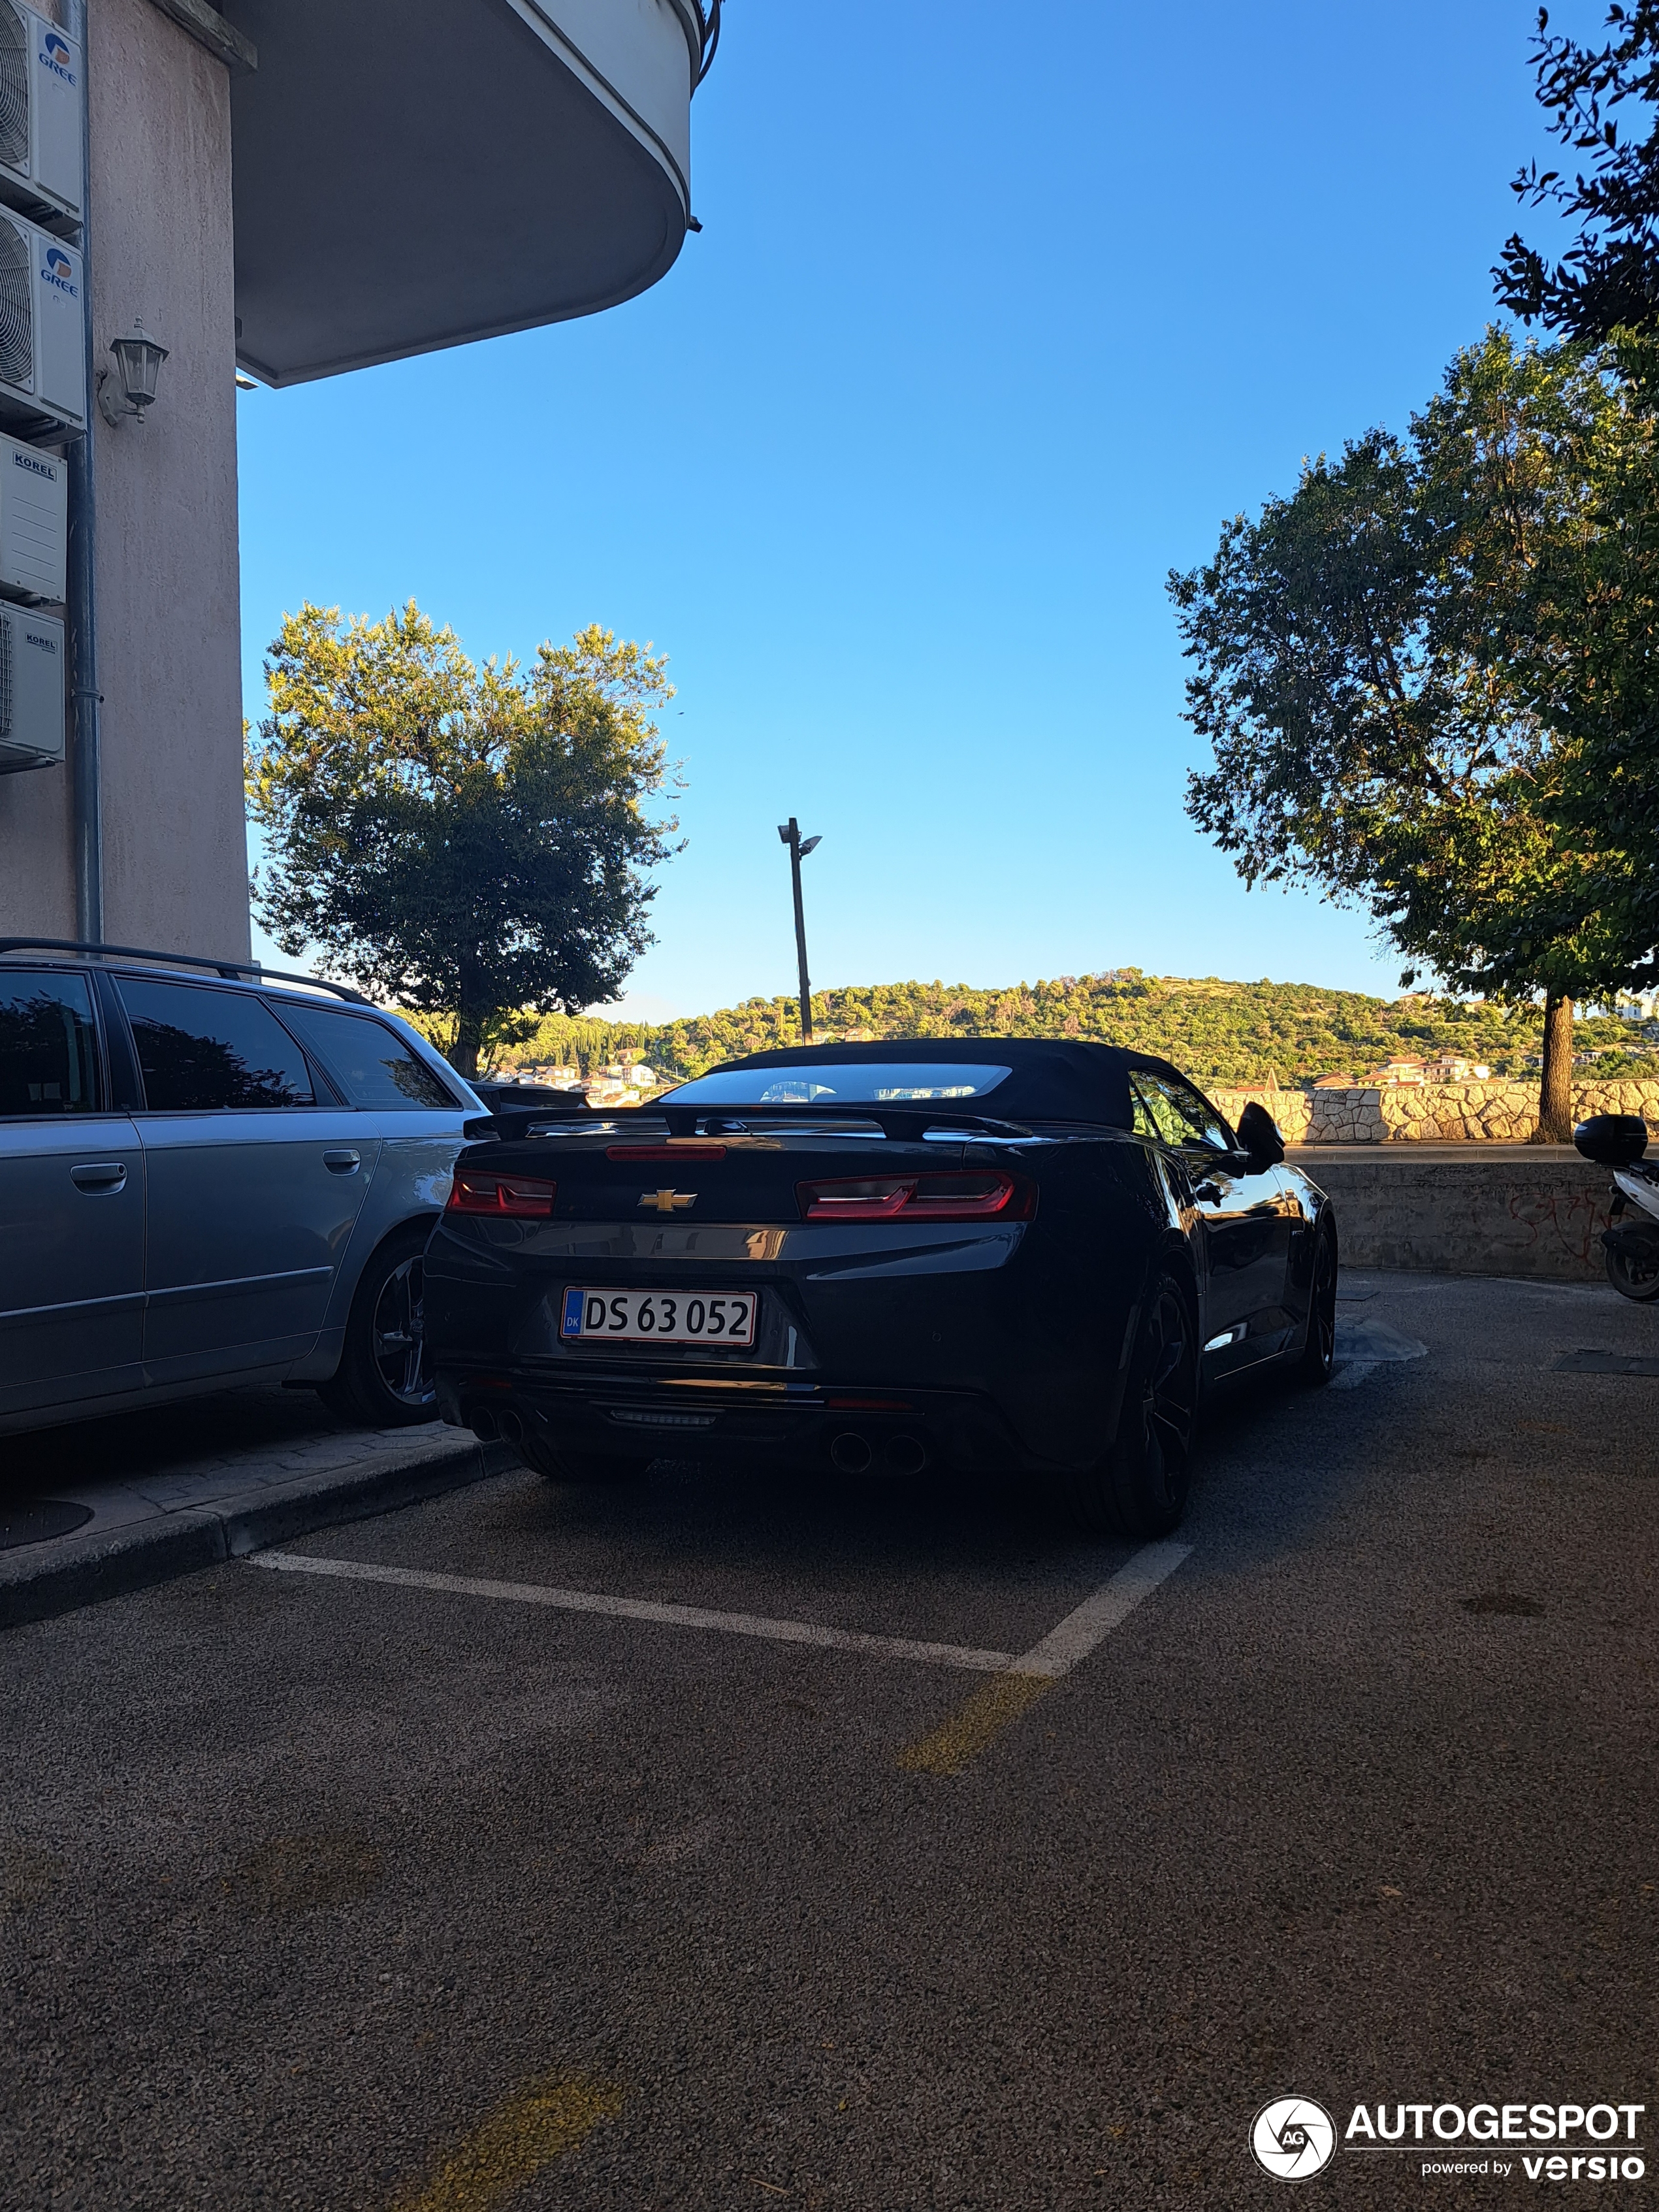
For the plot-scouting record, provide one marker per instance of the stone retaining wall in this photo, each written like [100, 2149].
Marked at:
[1431, 1113]
[1537, 1213]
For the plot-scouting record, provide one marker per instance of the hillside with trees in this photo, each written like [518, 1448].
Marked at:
[1226, 1033]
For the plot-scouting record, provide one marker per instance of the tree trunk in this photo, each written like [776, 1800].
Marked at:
[1555, 1086]
[464, 1053]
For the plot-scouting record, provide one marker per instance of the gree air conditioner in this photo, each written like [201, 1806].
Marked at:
[40, 112]
[43, 365]
[33, 521]
[31, 689]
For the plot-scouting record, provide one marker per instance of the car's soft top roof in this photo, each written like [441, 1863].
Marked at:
[1051, 1078]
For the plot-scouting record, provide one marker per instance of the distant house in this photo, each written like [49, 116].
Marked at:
[1335, 1083]
[1451, 1068]
[1399, 1071]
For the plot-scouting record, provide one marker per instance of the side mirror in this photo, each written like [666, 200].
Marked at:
[1259, 1139]
[1612, 1140]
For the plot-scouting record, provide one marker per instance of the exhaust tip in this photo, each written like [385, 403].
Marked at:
[851, 1453]
[510, 1426]
[905, 1455]
[482, 1423]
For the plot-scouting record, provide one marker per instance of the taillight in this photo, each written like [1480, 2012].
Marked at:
[478, 1191]
[975, 1196]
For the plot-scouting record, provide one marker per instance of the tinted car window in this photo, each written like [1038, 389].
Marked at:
[1174, 1113]
[200, 1048]
[48, 1046]
[371, 1065]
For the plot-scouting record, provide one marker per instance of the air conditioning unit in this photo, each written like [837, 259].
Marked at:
[34, 522]
[43, 362]
[39, 111]
[31, 689]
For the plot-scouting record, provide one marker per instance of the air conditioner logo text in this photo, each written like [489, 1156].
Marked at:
[57, 269]
[54, 56]
[45, 644]
[35, 466]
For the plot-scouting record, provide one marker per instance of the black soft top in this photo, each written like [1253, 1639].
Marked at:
[1050, 1078]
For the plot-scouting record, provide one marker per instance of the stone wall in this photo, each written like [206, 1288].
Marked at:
[1537, 1214]
[1431, 1113]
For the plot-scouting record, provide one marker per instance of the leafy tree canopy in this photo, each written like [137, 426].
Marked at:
[470, 841]
[1379, 657]
[1609, 278]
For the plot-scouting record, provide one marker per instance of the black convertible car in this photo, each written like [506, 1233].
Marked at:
[989, 1253]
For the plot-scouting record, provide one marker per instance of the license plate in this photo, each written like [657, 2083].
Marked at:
[661, 1316]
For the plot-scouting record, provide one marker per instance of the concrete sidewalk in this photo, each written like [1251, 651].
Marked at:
[89, 1510]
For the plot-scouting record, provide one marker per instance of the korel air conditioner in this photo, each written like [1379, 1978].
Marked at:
[31, 689]
[39, 111]
[43, 369]
[33, 521]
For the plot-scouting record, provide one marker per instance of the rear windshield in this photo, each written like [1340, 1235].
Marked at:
[870, 1083]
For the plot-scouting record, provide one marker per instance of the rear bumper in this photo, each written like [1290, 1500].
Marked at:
[878, 1429]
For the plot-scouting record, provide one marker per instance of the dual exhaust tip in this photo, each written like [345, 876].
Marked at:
[489, 1423]
[855, 1454]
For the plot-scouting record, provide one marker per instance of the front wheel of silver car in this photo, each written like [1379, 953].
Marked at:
[385, 1376]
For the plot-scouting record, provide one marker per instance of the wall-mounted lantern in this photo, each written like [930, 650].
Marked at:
[138, 357]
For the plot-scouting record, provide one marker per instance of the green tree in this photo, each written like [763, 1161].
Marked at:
[1377, 657]
[1608, 279]
[468, 841]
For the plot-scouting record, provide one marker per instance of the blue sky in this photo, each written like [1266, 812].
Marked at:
[995, 316]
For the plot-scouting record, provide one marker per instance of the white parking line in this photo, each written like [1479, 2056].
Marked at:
[1074, 1637]
[639, 1608]
[1108, 1606]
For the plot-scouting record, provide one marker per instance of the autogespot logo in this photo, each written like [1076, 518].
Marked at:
[1293, 2138]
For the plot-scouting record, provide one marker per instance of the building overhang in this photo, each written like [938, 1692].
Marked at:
[410, 174]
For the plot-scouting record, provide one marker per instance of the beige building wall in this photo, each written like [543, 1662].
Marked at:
[175, 870]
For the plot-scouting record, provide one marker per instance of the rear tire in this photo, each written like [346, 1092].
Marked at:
[384, 1380]
[1138, 1486]
[564, 1466]
[1630, 1276]
[1318, 1362]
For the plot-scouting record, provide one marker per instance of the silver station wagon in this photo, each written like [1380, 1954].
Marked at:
[210, 1176]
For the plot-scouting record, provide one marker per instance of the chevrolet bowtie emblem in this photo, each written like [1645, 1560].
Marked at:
[669, 1201]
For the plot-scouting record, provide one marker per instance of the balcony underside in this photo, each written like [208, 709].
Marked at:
[414, 174]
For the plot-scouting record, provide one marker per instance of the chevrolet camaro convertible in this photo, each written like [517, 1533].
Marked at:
[993, 1253]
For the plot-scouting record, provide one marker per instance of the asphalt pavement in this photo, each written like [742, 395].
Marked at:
[743, 1839]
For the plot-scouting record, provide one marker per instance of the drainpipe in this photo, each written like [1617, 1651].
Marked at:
[86, 759]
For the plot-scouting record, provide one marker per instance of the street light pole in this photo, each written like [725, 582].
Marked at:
[789, 831]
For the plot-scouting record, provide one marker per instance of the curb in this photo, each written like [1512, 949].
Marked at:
[84, 1570]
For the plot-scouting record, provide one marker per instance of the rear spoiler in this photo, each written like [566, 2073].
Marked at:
[898, 1123]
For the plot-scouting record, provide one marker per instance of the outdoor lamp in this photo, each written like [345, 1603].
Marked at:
[137, 358]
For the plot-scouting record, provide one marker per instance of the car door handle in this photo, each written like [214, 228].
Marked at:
[342, 1162]
[96, 1175]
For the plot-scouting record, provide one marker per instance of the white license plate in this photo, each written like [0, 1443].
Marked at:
[661, 1316]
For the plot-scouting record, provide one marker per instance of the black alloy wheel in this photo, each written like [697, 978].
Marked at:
[1318, 1362]
[385, 1376]
[1139, 1487]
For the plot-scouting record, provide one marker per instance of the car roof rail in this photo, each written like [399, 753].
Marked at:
[232, 971]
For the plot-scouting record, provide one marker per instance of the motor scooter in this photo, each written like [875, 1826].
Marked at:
[1631, 1244]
